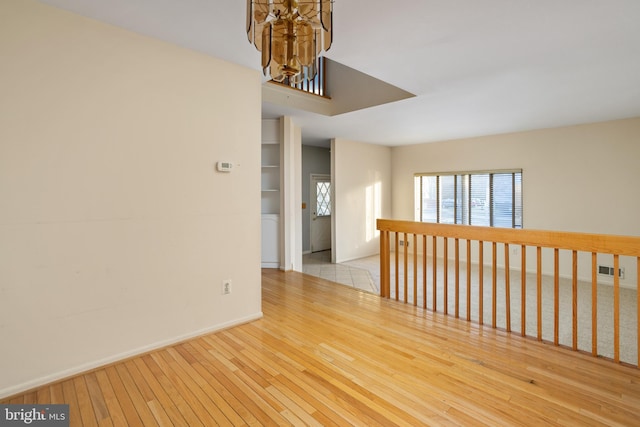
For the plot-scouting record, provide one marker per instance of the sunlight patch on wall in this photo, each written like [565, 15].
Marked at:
[373, 203]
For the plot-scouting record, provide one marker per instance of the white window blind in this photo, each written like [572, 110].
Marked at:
[487, 198]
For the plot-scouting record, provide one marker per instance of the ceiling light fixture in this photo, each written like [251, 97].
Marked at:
[290, 34]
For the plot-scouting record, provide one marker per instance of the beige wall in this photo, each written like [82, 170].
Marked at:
[578, 178]
[361, 179]
[115, 229]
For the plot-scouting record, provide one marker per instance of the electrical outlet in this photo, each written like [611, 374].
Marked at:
[226, 287]
[402, 243]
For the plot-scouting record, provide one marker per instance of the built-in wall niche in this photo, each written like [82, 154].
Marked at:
[270, 178]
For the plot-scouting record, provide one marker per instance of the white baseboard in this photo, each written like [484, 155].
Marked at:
[48, 379]
[356, 257]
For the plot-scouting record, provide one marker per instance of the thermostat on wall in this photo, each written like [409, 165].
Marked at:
[224, 166]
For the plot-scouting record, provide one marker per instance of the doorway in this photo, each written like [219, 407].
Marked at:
[320, 224]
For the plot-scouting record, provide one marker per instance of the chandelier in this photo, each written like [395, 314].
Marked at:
[290, 34]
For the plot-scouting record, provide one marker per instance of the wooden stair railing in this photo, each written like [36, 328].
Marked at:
[435, 238]
[316, 86]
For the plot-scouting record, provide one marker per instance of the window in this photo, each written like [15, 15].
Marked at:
[323, 198]
[490, 199]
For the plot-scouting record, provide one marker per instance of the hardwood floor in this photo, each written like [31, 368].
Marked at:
[326, 354]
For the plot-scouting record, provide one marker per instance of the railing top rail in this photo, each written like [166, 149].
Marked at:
[599, 243]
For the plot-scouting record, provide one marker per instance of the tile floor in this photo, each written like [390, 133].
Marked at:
[362, 274]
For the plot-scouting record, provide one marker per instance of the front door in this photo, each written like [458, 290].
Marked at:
[320, 213]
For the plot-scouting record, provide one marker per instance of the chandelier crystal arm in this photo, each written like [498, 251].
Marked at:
[266, 48]
[326, 15]
[250, 20]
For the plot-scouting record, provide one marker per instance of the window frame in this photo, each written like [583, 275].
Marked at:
[463, 197]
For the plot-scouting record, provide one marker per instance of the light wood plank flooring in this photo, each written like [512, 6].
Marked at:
[330, 355]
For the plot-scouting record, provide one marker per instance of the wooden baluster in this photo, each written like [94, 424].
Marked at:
[494, 282]
[424, 271]
[382, 264]
[556, 296]
[469, 280]
[434, 301]
[397, 265]
[384, 257]
[539, 290]
[616, 308]
[523, 291]
[574, 286]
[481, 282]
[507, 286]
[457, 276]
[415, 269]
[594, 304]
[387, 264]
[321, 78]
[445, 277]
[324, 77]
[406, 270]
[638, 307]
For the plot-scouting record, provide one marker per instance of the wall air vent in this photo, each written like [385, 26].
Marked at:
[606, 270]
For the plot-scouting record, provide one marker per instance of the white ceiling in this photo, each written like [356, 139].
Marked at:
[477, 67]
